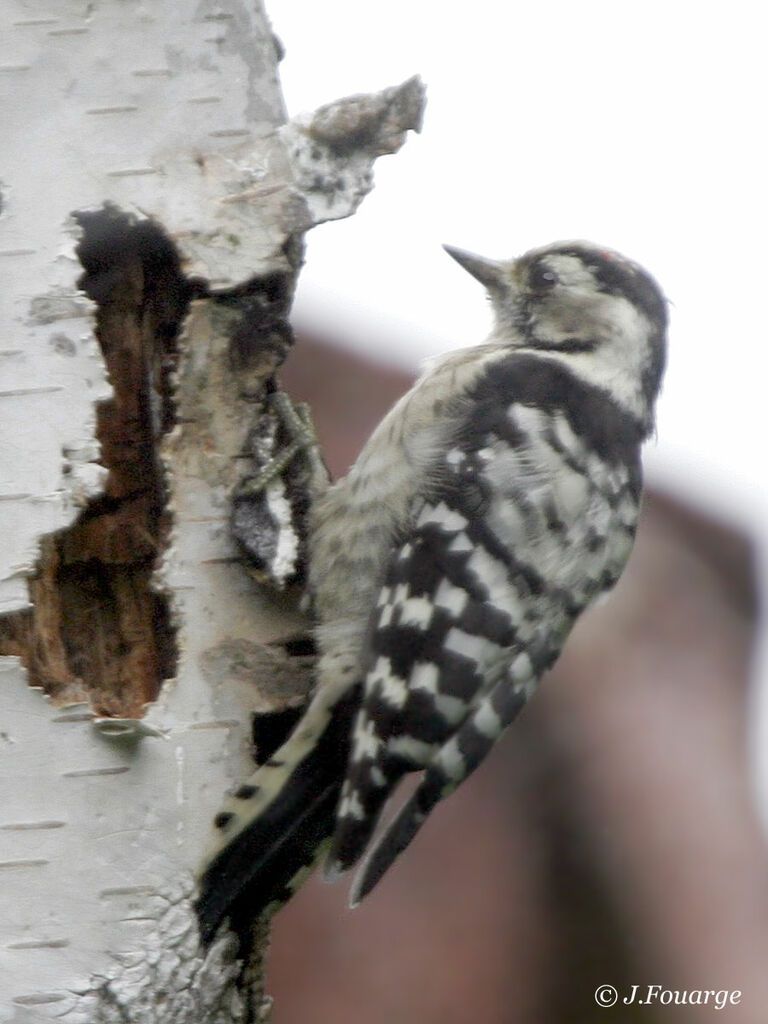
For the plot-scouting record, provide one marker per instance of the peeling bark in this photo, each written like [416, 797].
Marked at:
[170, 202]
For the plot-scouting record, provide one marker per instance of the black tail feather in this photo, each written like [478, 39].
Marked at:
[396, 836]
[256, 868]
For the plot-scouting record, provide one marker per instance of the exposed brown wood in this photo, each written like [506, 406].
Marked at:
[97, 629]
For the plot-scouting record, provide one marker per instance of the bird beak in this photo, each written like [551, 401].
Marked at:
[487, 272]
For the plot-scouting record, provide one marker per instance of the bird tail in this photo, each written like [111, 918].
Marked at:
[273, 829]
[363, 796]
[397, 835]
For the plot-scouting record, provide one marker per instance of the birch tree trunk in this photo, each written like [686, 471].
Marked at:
[153, 203]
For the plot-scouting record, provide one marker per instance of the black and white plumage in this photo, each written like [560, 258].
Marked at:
[493, 503]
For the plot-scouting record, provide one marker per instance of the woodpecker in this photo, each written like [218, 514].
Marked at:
[493, 503]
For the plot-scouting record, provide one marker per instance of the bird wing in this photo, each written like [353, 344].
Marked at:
[460, 607]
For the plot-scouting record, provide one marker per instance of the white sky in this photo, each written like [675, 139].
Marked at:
[637, 126]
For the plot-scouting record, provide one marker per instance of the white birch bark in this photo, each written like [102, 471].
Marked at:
[169, 110]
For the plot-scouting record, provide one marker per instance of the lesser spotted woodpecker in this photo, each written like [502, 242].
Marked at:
[492, 504]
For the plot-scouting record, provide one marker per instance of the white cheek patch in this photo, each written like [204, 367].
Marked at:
[578, 308]
[571, 271]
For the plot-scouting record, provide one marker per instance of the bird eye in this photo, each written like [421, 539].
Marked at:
[542, 277]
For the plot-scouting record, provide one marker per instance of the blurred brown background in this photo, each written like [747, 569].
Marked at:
[610, 838]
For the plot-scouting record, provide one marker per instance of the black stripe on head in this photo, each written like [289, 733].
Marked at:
[618, 276]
